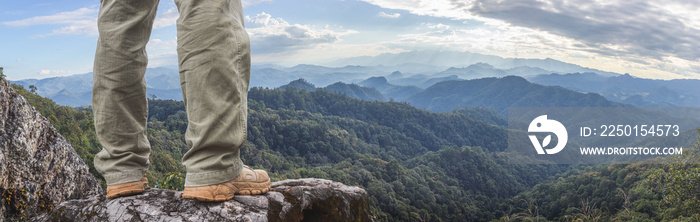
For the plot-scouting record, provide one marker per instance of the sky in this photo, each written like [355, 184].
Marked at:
[650, 39]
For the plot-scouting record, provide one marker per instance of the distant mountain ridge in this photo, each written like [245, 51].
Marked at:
[76, 90]
[299, 84]
[502, 93]
[463, 59]
[390, 91]
[629, 89]
[401, 76]
[356, 91]
[351, 90]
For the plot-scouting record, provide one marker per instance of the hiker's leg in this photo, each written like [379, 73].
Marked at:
[119, 91]
[214, 58]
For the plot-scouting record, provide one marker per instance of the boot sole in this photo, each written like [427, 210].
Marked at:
[243, 188]
[206, 199]
[251, 188]
[126, 191]
[129, 189]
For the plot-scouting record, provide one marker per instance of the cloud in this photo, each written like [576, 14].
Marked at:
[247, 3]
[275, 35]
[83, 21]
[54, 72]
[59, 18]
[167, 18]
[162, 59]
[635, 26]
[80, 21]
[653, 32]
[385, 15]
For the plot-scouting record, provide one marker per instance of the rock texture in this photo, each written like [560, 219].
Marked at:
[289, 200]
[38, 168]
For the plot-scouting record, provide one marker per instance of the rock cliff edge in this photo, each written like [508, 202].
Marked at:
[42, 178]
[288, 200]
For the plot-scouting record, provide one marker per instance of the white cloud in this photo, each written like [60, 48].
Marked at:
[83, 21]
[162, 59]
[156, 44]
[386, 15]
[54, 72]
[80, 21]
[167, 18]
[247, 3]
[275, 35]
[649, 36]
[59, 18]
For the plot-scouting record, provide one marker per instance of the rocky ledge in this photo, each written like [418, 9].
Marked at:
[40, 170]
[288, 200]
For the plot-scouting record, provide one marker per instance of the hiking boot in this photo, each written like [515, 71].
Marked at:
[249, 182]
[126, 189]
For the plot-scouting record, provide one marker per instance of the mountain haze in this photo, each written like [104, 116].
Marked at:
[629, 89]
[501, 93]
[464, 59]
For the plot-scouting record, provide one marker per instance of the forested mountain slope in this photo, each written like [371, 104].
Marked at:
[416, 165]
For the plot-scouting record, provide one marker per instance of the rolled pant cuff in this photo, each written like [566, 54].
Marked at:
[123, 177]
[212, 177]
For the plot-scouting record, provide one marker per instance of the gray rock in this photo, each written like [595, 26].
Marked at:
[289, 200]
[38, 168]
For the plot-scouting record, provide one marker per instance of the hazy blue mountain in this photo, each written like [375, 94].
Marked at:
[550, 64]
[501, 93]
[464, 59]
[379, 83]
[299, 84]
[317, 75]
[629, 89]
[390, 91]
[430, 57]
[475, 71]
[395, 75]
[68, 98]
[410, 68]
[432, 81]
[319, 70]
[76, 90]
[270, 77]
[356, 91]
[526, 71]
[331, 78]
[162, 78]
[423, 81]
[49, 86]
[401, 93]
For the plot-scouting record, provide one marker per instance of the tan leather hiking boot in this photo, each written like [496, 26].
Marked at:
[126, 189]
[249, 182]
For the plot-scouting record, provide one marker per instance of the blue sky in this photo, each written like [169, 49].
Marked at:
[650, 39]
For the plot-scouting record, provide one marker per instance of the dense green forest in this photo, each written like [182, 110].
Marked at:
[416, 165]
[661, 189]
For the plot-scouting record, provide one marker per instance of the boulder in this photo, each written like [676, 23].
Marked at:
[38, 167]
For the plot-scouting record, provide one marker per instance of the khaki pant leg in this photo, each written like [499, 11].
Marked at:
[119, 90]
[214, 59]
